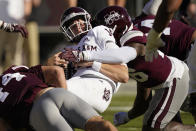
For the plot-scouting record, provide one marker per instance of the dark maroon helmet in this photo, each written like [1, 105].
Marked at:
[114, 17]
[67, 24]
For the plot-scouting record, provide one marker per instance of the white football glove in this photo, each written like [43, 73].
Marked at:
[121, 118]
[153, 43]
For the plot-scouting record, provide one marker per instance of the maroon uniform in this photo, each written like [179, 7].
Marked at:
[19, 86]
[167, 75]
[147, 74]
[177, 36]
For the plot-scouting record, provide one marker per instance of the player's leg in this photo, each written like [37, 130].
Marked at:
[4, 126]
[192, 73]
[60, 110]
[193, 105]
[45, 114]
[166, 103]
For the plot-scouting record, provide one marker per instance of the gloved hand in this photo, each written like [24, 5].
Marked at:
[121, 118]
[8, 27]
[72, 55]
[153, 43]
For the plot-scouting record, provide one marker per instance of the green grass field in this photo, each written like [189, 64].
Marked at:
[122, 102]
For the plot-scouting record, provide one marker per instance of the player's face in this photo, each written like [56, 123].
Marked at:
[78, 26]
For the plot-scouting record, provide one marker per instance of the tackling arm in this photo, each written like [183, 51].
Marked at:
[116, 72]
[54, 75]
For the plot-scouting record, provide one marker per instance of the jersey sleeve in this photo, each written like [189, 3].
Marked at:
[133, 36]
[14, 69]
[184, 34]
[119, 55]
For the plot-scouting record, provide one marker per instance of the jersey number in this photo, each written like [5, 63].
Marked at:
[138, 76]
[5, 80]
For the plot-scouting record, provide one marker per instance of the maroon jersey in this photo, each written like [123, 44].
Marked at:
[177, 36]
[19, 86]
[147, 74]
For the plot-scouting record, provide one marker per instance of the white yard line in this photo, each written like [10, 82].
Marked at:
[119, 108]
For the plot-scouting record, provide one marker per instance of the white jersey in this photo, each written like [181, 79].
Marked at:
[91, 86]
[97, 39]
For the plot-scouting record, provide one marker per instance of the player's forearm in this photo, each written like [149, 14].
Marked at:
[118, 73]
[141, 103]
[119, 55]
[54, 75]
[165, 13]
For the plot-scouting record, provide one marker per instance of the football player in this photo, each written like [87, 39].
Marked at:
[93, 82]
[178, 40]
[168, 76]
[25, 96]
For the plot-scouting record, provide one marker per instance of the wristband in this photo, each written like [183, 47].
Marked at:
[155, 34]
[96, 66]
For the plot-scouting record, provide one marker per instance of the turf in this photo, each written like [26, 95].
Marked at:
[122, 102]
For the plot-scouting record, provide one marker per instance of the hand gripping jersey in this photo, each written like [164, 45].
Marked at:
[177, 36]
[18, 88]
[150, 74]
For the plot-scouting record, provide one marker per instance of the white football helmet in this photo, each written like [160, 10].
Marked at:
[75, 23]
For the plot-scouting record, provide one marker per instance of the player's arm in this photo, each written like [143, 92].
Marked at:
[140, 106]
[55, 60]
[111, 55]
[9, 27]
[165, 14]
[116, 72]
[193, 38]
[141, 102]
[54, 75]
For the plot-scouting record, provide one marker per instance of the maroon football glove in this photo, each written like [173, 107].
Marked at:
[72, 55]
[8, 27]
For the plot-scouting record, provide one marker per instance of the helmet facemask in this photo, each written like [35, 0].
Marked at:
[76, 27]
